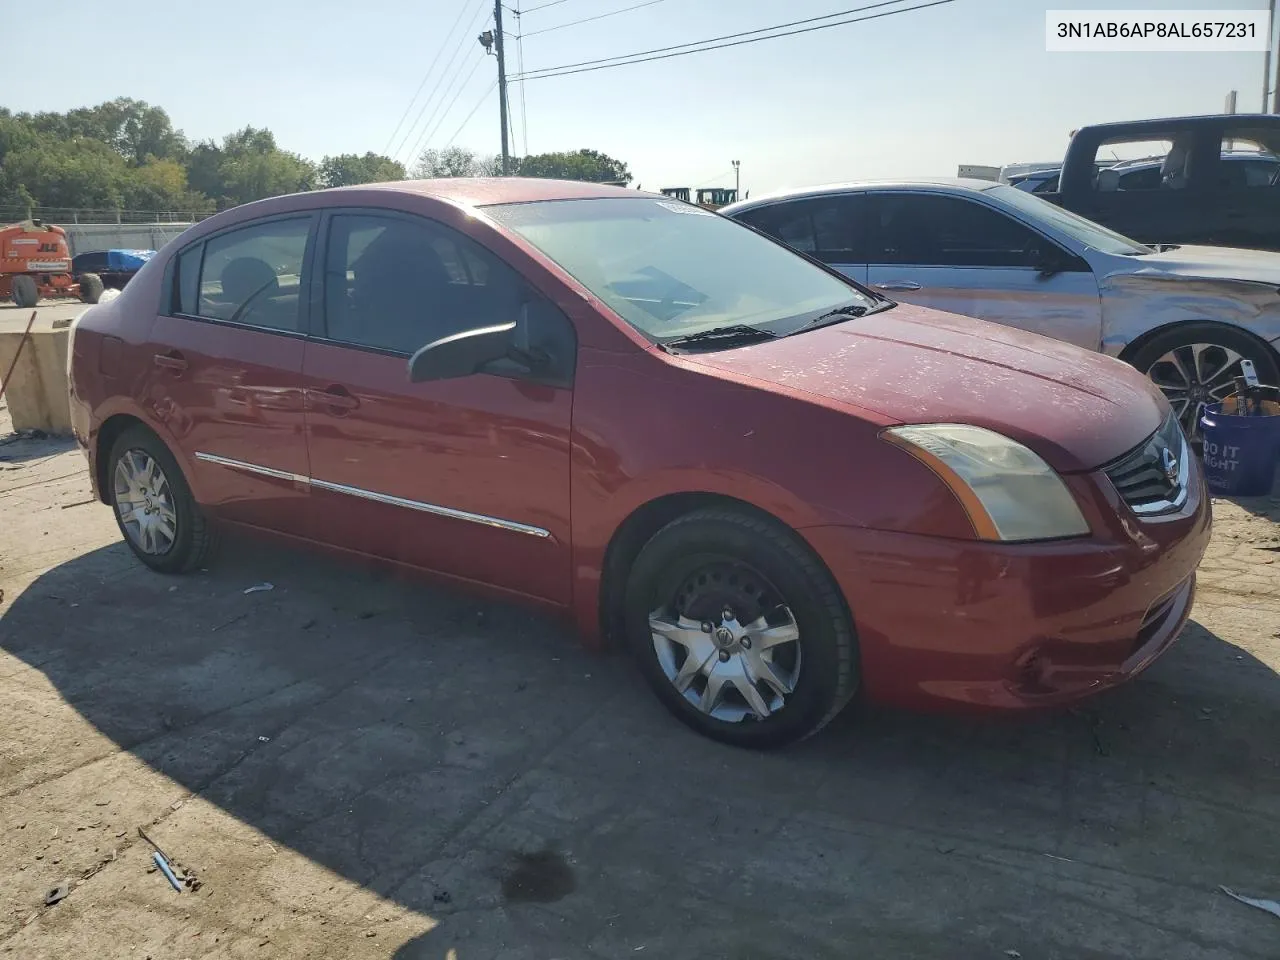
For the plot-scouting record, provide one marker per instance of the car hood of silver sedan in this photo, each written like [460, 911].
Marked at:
[1202, 263]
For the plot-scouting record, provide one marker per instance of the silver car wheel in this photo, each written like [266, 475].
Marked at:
[1194, 375]
[144, 503]
[727, 669]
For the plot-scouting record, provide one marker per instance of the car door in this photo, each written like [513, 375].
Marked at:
[956, 254]
[227, 349]
[468, 477]
[830, 228]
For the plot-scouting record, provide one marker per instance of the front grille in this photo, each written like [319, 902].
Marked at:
[1143, 477]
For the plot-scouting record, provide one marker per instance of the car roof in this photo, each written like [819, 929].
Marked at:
[481, 191]
[938, 184]
[1164, 123]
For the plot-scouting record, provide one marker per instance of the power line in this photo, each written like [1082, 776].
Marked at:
[426, 76]
[541, 6]
[599, 16]
[462, 45]
[586, 66]
[493, 86]
[429, 130]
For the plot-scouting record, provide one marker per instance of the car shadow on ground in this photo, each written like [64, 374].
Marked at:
[472, 763]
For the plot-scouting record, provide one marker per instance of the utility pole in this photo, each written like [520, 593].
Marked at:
[737, 179]
[502, 82]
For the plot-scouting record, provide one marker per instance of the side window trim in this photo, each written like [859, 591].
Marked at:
[173, 277]
[318, 280]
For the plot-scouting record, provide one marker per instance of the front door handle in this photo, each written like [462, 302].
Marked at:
[336, 397]
[898, 285]
[172, 360]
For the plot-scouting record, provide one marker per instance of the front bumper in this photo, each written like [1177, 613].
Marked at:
[1012, 626]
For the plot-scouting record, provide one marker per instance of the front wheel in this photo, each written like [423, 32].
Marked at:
[1195, 364]
[25, 291]
[739, 629]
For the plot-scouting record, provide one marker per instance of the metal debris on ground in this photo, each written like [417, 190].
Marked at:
[57, 894]
[260, 587]
[264, 739]
[1270, 906]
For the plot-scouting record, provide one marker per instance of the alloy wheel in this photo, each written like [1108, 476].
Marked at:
[728, 643]
[144, 503]
[1195, 375]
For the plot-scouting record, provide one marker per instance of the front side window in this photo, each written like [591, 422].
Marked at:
[252, 275]
[1052, 219]
[397, 284]
[934, 230]
[672, 270]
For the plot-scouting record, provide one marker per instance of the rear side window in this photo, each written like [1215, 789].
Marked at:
[935, 230]
[252, 275]
[830, 229]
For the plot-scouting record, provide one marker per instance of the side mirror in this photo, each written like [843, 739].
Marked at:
[461, 354]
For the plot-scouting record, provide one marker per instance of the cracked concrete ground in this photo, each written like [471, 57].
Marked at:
[359, 766]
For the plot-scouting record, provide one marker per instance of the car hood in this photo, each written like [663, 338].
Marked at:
[1204, 263]
[910, 364]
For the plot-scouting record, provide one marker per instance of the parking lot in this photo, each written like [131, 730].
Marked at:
[359, 765]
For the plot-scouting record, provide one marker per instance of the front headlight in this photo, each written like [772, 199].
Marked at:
[1008, 491]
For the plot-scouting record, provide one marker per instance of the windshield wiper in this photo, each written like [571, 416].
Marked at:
[740, 332]
[848, 312]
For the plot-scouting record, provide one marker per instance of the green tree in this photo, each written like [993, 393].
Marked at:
[348, 169]
[455, 162]
[589, 165]
[247, 166]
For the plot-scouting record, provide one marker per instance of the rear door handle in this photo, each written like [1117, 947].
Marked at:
[335, 397]
[898, 285]
[172, 360]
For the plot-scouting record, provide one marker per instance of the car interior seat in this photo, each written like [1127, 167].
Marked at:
[249, 291]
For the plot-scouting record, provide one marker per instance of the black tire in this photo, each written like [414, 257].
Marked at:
[1186, 335]
[194, 539]
[91, 287]
[25, 291]
[788, 573]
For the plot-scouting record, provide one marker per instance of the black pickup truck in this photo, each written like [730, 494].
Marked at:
[1194, 180]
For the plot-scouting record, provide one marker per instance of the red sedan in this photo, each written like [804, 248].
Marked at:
[776, 488]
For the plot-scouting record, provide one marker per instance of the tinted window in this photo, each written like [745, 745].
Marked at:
[945, 231]
[397, 284]
[189, 279]
[253, 275]
[827, 228]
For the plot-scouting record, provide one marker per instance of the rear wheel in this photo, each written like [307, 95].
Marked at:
[25, 291]
[154, 509]
[1195, 364]
[739, 629]
[91, 287]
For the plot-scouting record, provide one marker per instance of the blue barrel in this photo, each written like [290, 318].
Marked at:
[1240, 453]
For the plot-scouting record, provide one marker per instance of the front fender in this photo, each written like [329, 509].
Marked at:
[1134, 306]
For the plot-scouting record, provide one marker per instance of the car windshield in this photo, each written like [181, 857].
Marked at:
[673, 270]
[1050, 217]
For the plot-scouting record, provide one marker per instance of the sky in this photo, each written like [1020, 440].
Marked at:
[915, 94]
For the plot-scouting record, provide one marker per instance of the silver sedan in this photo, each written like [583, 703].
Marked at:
[1186, 316]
